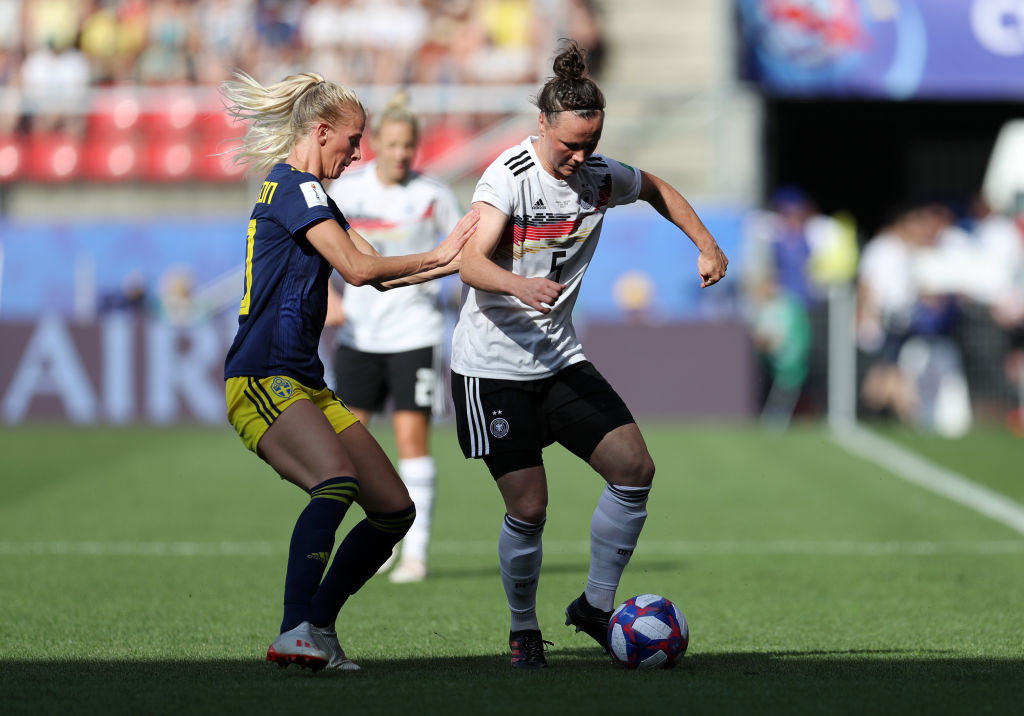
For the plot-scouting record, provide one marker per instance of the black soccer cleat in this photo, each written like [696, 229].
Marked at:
[588, 619]
[527, 649]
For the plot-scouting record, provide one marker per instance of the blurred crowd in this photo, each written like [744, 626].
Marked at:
[56, 50]
[939, 325]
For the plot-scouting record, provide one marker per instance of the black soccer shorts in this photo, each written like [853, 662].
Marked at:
[508, 423]
[365, 380]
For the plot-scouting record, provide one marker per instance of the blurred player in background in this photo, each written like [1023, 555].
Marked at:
[389, 343]
[305, 130]
[520, 380]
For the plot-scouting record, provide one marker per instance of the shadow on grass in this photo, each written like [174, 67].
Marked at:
[580, 680]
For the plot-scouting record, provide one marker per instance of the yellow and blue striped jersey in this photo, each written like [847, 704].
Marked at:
[284, 300]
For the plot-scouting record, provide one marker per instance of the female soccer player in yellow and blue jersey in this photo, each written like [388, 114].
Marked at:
[304, 130]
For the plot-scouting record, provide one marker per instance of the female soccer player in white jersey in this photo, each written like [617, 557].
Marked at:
[388, 342]
[304, 130]
[520, 379]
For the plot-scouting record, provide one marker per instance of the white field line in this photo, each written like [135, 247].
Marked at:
[918, 471]
[654, 548]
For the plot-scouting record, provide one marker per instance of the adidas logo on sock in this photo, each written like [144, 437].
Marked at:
[539, 204]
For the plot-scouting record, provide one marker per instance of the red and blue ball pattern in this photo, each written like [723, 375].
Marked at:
[647, 632]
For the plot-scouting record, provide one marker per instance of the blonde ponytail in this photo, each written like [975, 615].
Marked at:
[280, 114]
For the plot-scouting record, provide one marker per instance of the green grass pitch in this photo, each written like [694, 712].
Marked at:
[141, 572]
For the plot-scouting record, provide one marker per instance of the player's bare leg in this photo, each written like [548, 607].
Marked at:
[303, 448]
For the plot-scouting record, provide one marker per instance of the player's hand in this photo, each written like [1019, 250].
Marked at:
[711, 265]
[448, 249]
[540, 294]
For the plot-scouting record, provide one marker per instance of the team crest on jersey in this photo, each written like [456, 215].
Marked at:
[499, 427]
[281, 388]
[587, 198]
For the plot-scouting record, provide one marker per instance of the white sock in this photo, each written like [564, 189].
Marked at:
[614, 531]
[520, 554]
[420, 477]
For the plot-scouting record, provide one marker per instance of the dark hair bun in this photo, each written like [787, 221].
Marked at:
[570, 63]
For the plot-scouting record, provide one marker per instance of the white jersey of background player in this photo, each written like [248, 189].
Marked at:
[388, 343]
[397, 219]
[552, 233]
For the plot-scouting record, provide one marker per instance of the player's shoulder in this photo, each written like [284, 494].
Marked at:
[286, 176]
[603, 163]
[294, 189]
[288, 173]
[515, 161]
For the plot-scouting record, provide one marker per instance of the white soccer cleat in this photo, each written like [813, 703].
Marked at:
[409, 570]
[327, 637]
[298, 646]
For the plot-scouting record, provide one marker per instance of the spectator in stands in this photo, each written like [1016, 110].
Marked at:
[437, 61]
[55, 81]
[583, 25]
[168, 57]
[990, 262]
[906, 316]
[223, 26]
[784, 245]
[332, 32]
[507, 52]
[10, 80]
[380, 42]
[131, 297]
[52, 23]
[11, 25]
[781, 332]
[114, 35]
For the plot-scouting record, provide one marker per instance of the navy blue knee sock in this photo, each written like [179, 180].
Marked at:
[359, 556]
[311, 545]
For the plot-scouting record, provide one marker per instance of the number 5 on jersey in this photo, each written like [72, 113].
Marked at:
[555, 274]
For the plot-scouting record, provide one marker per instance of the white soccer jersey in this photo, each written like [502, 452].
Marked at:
[399, 219]
[552, 232]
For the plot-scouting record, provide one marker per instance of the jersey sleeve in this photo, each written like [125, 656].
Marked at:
[305, 202]
[497, 188]
[625, 183]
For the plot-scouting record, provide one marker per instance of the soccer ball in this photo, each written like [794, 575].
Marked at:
[647, 632]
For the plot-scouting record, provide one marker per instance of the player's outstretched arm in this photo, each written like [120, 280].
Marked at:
[480, 272]
[712, 261]
[464, 228]
[337, 246]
